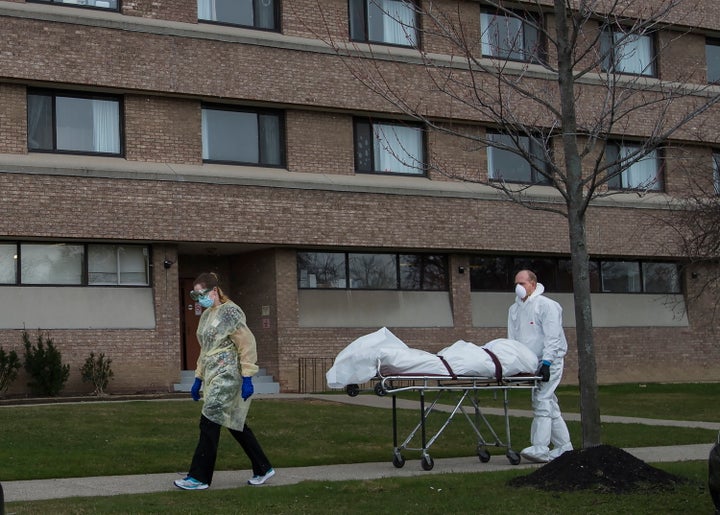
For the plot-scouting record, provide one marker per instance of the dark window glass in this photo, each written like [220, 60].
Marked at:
[390, 22]
[238, 136]
[660, 278]
[423, 272]
[79, 124]
[322, 270]
[373, 271]
[505, 163]
[620, 276]
[513, 36]
[490, 273]
[712, 58]
[259, 14]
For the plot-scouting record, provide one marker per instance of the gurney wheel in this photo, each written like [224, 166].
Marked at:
[483, 454]
[427, 462]
[513, 457]
[352, 390]
[379, 390]
[398, 461]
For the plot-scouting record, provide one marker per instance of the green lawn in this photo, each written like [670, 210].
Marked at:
[71, 440]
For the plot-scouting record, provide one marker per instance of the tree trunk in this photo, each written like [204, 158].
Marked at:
[587, 373]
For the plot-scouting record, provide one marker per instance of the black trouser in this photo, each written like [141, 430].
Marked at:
[203, 462]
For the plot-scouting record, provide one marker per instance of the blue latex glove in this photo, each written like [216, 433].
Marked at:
[247, 388]
[195, 390]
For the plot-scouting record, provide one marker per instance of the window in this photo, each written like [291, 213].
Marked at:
[638, 172]
[660, 278]
[97, 4]
[391, 22]
[372, 271]
[515, 37]
[716, 171]
[243, 136]
[8, 263]
[389, 148]
[74, 264]
[87, 124]
[712, 59]
[118, 265]
[505, 164]
[627, 53]
[259, 14]
[497, 273]
[54, 263]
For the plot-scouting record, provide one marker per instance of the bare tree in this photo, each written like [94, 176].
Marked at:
[567, 86]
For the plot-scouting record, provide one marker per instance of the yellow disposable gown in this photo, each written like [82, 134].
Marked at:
[227, 352]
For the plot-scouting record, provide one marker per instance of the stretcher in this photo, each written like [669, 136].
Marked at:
[464, 394]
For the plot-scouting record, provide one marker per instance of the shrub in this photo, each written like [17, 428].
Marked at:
[9, 366]
[44, 365]
[97, 371]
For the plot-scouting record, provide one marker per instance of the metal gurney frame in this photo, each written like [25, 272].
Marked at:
[467, 388]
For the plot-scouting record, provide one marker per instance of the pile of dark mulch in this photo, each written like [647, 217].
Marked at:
[602, 468]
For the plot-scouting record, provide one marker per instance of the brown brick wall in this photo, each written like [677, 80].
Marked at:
[13, 119]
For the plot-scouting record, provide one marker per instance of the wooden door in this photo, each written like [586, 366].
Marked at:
[191, 317]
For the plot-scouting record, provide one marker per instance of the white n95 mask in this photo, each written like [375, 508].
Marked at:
[520, 291]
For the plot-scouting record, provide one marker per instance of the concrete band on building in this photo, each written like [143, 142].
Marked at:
[111, 226]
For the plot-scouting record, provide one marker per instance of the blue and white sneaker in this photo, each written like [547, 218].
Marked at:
[190, 483]
[259, 480]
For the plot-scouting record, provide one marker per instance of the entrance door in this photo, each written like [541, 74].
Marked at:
[191, 318]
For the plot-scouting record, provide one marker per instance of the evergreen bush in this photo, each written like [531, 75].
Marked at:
[9, 366]
[44, 365]
[97, 371]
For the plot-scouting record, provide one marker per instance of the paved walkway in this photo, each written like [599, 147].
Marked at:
[147, 483]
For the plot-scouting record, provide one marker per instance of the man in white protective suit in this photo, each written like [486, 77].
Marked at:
[536, 321]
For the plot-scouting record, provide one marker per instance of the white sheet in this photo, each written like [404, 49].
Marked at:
[358, 362]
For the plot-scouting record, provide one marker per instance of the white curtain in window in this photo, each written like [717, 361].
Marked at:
[106, 126]
[206, 10]
[133, 265]
[643, 173]
[398, 22]
[502, 36]
[633, 54]
[397, 149]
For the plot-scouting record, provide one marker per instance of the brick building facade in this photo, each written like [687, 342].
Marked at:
[165, 70]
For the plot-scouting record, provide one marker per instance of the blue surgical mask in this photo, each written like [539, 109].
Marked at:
[205, 301]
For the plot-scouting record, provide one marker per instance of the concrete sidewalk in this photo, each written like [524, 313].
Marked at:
[146, 483]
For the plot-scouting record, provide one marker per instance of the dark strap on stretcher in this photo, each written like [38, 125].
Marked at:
[496, 361]
[447, 365]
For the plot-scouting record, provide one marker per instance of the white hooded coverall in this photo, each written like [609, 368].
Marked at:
[537, 322]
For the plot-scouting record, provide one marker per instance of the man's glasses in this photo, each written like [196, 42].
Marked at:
[196, 294]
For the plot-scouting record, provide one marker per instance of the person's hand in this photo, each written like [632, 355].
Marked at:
[195, 390]
[544, 371]
[247, 388]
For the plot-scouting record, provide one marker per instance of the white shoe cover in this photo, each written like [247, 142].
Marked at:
[536, 454]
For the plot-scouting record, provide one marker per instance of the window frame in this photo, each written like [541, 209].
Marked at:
[611, 62]
[276, 24]
[53, 96]
[536, 178]
[261, 151]
[84, 273]
[556, 273]
[365, 128]
[712, 43]
[427, 261]
[616, 181]
[359, 23]
[536, 55]
[79, 5]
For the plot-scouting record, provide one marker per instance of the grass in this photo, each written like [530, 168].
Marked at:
[71, 440]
